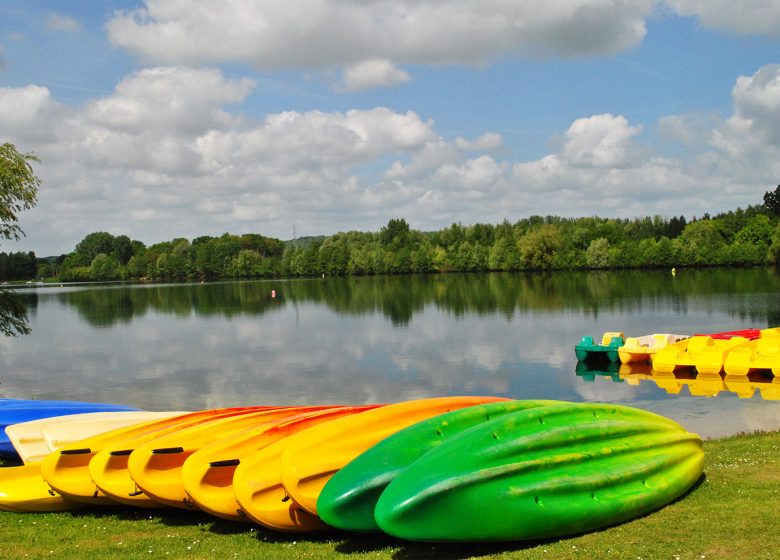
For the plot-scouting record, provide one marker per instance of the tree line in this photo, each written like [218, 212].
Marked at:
[743, 237]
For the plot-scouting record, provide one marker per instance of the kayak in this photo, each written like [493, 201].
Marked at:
[67, 470]
[208, 473]
[348, 499]
[311, 457]
[15, 411]
[542, 473]
[258, 481]
[151, 473]
[35, 439]
[44, 403]
[23, 489]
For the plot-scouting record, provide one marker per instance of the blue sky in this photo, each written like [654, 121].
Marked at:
[173, 118]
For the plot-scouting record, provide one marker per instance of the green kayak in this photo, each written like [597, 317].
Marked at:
[542, 473]
[348, 499]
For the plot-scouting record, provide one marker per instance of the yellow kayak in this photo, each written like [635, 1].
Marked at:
[292, 472]
[208, 473]
[67, 470]
[35, 439]
[23, 489]
[151, 474]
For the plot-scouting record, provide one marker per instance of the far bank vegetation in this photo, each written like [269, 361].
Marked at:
[743, 237]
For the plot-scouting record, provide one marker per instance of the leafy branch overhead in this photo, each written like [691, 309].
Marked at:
[18, 191]
[18, 188]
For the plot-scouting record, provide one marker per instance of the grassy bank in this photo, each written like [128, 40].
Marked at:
[731, 514]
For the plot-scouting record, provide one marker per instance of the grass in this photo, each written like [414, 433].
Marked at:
[731, 514]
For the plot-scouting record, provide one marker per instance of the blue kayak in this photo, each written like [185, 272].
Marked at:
[14, 411]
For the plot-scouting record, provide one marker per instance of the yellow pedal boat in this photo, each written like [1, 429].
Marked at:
[762, 353]
[705, 353]
[642, 348]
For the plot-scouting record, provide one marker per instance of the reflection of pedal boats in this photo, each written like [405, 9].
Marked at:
[588, 350]
[704, 384]
[642, 348]
[588, 371]
[706, 353]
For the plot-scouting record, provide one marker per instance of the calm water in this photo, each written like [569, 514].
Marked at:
[387, 339]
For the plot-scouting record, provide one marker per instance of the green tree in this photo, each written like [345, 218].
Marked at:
[772, 201]
[90, 247]
[597, 255]
[538, 247]
[18, 191]
[104, 267]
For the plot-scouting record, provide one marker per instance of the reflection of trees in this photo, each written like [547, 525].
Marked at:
[399, 297]
[14, 311]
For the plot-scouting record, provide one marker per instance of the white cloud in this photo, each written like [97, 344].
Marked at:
[757, 101]
[488, 141]
[161, 157]
[372, 74]
[747, 17]
[599, 141]
[60, 22]
[320, 33]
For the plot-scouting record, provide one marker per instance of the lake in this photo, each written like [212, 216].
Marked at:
[387, 339]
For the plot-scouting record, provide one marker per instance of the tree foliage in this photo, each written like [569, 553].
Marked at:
[18, 191]
[772, 201]
[743, 237]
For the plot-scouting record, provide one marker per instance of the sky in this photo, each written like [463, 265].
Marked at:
[160, 119]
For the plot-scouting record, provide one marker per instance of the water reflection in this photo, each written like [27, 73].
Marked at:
[758, 383]
[382, 339]
[400, 298]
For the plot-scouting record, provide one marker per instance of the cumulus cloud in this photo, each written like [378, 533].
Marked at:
[275, 34]
[371, 74]
[599, 141]
[60, 22]
[757, 103]
[161, 157]
[488, 141]
[748, 17]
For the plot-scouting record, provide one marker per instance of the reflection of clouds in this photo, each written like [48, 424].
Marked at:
[603, 389]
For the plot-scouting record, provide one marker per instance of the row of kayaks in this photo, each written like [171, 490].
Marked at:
[736, 353]
[758, 383]
[16, 411]
[438, 469]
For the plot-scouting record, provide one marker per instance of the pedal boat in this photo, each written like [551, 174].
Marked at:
[704, 353]
[588, 350]
[762, 353]
[641, 348]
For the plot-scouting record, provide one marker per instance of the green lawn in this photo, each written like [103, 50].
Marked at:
[734, 513]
